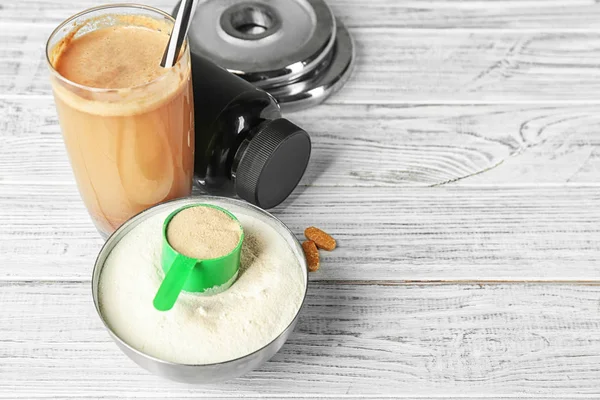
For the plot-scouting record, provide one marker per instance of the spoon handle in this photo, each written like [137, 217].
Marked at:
[173, 283]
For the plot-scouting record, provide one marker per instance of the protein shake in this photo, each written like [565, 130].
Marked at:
[127, 123]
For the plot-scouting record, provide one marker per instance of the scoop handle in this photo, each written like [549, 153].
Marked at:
[171, 286]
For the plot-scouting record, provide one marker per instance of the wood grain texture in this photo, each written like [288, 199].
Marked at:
[415, 145]
[415, 14]
[434, 144]
[472, 14]
[503, 340]
[398, 66]
[424, 234]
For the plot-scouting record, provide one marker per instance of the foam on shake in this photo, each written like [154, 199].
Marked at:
[114, 57]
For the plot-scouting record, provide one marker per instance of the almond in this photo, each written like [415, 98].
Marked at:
[321, 239]
[312, 255]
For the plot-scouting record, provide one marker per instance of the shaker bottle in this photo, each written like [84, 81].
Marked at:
[243, 146]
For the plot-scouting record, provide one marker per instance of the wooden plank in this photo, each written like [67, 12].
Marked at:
[467, 340]
[435, 144]
[474, 14]
[415, 145]
[445, 14]
[398, 66]
[401, 66]
[424, 234]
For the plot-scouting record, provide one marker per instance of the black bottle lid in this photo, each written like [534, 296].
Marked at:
[273, 163]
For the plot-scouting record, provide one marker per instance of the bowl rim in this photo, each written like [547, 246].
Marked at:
[139, 216]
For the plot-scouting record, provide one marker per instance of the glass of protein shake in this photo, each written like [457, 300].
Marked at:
[127, 123]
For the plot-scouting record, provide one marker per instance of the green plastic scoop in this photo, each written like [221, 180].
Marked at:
[192, 274]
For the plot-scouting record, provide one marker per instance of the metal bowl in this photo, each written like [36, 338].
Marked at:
[201, 373]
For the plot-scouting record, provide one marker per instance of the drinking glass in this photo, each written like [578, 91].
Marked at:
[129, 148]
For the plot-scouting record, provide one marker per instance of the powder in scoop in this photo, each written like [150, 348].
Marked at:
[203, 232]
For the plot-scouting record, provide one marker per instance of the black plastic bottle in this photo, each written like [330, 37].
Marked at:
[243, 146]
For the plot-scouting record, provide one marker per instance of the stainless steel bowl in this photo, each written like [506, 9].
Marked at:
[201, 373]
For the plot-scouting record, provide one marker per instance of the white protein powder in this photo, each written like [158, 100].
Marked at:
[201, 329]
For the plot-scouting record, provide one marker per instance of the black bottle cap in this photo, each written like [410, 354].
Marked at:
[273, 163]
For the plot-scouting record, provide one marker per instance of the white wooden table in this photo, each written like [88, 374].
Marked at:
[459, 170]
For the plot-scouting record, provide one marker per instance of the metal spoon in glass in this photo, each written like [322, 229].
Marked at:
[179, 32]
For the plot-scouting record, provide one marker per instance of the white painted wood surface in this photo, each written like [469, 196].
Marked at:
[465, 149]
[409, 340]
[416, 144]
[399, 65]
[417, 14]
[398, 234]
